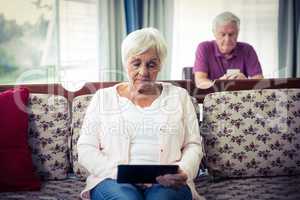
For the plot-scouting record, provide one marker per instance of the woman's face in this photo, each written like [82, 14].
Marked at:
[226, 37]
[143, 70]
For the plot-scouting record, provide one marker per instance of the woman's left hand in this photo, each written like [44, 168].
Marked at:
[173, 180]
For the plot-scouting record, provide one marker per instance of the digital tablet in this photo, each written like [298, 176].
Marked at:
[232, 72]
[143, 173]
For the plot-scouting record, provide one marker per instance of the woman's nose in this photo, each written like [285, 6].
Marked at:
[143, 70]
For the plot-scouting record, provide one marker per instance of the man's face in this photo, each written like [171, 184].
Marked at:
[226, 37]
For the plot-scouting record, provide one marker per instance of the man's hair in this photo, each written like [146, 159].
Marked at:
[142, 40]
[225, 18]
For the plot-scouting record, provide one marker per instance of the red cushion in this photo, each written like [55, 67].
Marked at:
[16, 169]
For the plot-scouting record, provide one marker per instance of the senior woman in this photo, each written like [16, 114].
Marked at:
[224, 57]
[141, 121]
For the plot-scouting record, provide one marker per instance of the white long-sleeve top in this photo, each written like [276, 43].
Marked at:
[143, 125]
[105, 139]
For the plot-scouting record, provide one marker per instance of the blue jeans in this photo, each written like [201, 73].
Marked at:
[109, 189]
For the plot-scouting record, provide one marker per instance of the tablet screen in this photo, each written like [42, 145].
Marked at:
[143, 173]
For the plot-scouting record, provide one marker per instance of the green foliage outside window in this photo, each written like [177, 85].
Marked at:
[23, 45]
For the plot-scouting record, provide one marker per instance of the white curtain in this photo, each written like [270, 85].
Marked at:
[90, 36]
[159, 14]
[112, 30]
[192, 25]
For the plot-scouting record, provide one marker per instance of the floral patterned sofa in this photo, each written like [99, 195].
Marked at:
[245, 159]
[49, 139]
[252, 144]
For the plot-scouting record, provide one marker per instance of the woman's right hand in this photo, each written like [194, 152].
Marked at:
[173, 180]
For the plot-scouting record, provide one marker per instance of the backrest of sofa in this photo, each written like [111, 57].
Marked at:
[252, 133]
[79, 106]
[91, 87]
[49, 131]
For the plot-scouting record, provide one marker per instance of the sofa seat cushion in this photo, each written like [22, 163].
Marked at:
[68, 189]
[252, 133]
[49, 133]
[263, 188]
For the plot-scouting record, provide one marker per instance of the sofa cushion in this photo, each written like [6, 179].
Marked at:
[252, 133]
[79, 107]
[68, 189]
[258, 188]
[49, 132]
[16, 168]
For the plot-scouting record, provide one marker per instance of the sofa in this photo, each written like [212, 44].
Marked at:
[231, 168]
[252, 144]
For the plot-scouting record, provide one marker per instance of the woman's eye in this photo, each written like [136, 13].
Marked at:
[152, 65]
[136, 64]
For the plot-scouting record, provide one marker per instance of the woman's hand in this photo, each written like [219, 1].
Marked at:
[144, 185]
[173, 180]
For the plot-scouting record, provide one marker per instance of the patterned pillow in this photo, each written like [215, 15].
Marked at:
[79, 107]
[49, 131]
[252, 133]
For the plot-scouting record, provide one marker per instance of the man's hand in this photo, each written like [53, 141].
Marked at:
[173, 180]
[205, 84]
[233, 76]
[224, 77]
[237, 76]
[202, 81]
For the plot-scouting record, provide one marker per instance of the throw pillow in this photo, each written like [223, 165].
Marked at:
[16, 168]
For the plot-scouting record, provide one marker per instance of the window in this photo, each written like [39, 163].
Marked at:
[25, 30]
[78, 42]
[49, 41]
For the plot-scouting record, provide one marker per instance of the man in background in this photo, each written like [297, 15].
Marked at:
[224, 57]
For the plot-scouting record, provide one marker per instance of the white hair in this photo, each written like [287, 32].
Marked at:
[140, 41]
[225, 18]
